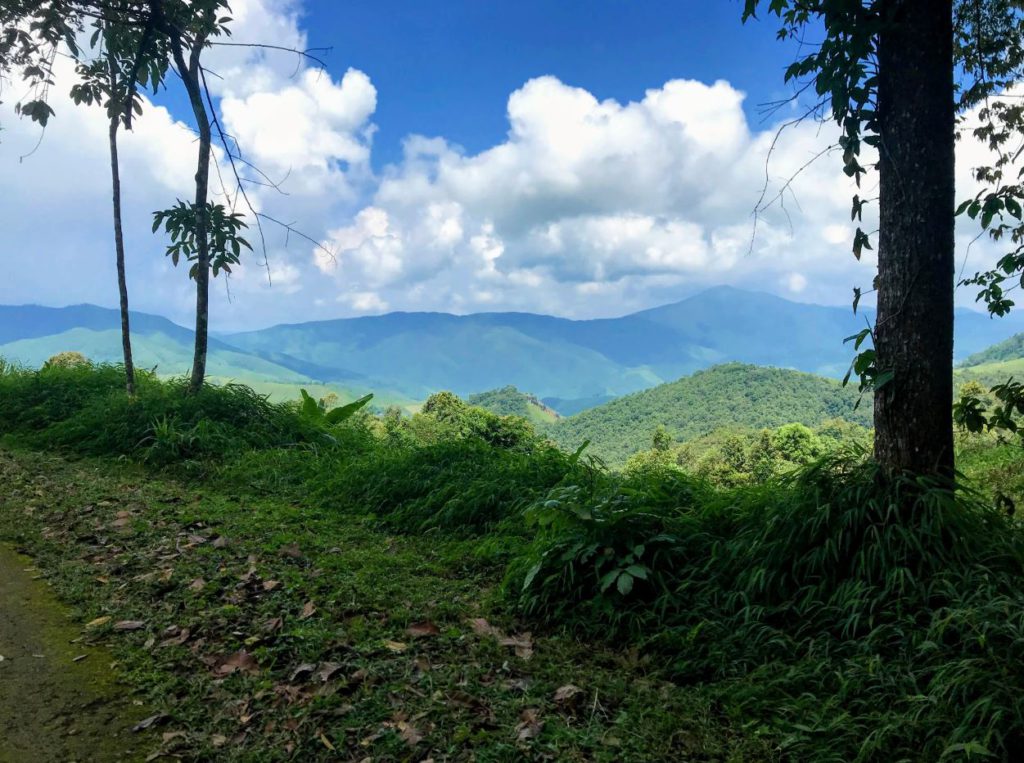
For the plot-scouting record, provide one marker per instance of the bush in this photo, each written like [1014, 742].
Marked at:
[84, 408]
[853, 620]
[461, 486]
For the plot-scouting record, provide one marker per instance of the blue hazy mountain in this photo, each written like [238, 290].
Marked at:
[566, 362]
[570, 364]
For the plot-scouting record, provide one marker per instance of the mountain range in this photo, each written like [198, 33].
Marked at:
[568, 364]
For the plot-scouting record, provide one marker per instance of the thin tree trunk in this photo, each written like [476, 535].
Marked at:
[914, 329]
[122, 283]
[190, 76]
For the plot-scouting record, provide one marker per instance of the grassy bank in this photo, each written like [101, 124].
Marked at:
[451, 585]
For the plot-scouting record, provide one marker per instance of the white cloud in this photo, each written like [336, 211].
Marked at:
[586, 207]
[295, 123]
[614, 205]
[795, 282]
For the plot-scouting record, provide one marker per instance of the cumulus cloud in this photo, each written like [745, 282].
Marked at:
[586, 207]
[298, 125]
[600, 206]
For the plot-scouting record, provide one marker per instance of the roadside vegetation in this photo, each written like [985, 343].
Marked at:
[283, 580]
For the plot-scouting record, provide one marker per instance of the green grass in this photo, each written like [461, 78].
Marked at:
[119, 543]
[827, 615]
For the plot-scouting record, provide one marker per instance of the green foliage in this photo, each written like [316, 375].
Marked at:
[605, 547]
[731, 395]
[444, 416]
[1009, 349]
[83, 408]
[509, 401]
[851, 619]
[318, 411]
[462, 486]
[971, 411]
[812, 605]
[66, 360]
[182, 223]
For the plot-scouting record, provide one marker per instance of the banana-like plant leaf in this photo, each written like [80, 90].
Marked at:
[310, 408]
[342, 412]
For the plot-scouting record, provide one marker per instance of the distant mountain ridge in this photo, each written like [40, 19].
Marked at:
[1008, 349]
[568, 364]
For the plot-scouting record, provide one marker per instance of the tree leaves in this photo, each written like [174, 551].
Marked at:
[184, 222]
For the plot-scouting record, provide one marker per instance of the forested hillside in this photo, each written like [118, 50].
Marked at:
[727, 395]
[509, 401]
[1008, 349]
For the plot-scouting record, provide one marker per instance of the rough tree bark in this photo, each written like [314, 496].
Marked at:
[914, 328]
[122, 282]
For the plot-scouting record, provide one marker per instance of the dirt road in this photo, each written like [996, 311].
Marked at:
[58, 700]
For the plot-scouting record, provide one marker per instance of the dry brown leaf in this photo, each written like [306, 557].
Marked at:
[423, 629]
[98, 622]
[240, 661]
[483, 628]
[523, 645]
[327, 671]
[197, 585]
[146, 723]
[409, 733]
[308, 610]
[129, 625]
[174, 636]
[218, 740]
[529, 726]
[395, 646]
[270, 585]
[567, 694]
[290, 551]
[220, 542]
[273, 624]
[326, 742]
[304, 671]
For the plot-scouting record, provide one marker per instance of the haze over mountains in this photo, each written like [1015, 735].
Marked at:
[570, 364]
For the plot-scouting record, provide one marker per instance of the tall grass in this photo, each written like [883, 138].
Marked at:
[858, 618]
[847, 616]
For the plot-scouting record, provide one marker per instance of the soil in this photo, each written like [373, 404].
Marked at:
[59, 698]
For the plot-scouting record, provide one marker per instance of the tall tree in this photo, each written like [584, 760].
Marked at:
[885, 71]
[114, 83]
[205, 234]
[917, 198]
[125, 57]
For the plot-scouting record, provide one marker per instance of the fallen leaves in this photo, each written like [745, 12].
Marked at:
[174, 636]
[522, 643]
[240, 661]
[148, 722]
[424, 629]
[308, 610]
[291, 551]
[395, 646]
[98, 622]
[129, 625]
[529, 726]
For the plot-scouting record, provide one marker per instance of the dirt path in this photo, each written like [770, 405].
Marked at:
[52, 707]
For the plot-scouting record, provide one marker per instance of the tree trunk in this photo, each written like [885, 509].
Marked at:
[122, 282]
[190, 75]
[914, 329]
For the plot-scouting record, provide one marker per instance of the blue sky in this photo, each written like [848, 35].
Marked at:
[583, 159]
[447, 68]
